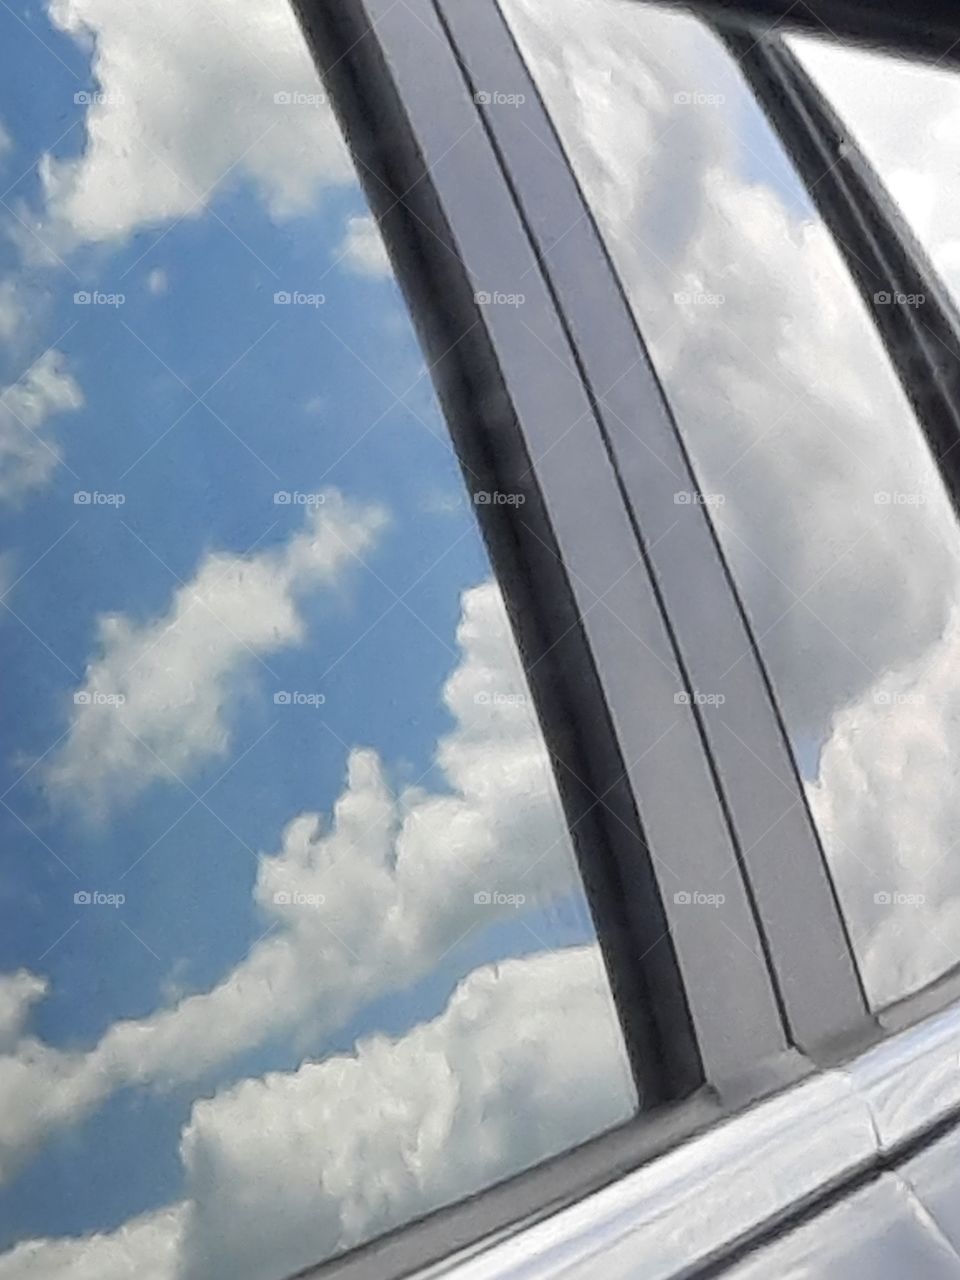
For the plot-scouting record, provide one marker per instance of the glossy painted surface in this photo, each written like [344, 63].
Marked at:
[911, 1081]
[739, 1181]
[934, 1177]
[881, 1231]
[699, 1199]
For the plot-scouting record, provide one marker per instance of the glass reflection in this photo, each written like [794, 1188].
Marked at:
[296, 948]
[904, 115]
[829, 509]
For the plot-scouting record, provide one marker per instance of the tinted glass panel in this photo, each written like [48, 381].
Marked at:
[295, 946]
[905, 116]
[831, 513]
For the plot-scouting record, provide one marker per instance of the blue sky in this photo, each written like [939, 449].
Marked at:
[294, 390]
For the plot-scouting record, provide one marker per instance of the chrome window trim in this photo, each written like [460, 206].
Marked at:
[744, 1177]
[700, 1200]
[911, 1082]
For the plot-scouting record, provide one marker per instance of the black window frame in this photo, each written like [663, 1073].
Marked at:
[605, 681]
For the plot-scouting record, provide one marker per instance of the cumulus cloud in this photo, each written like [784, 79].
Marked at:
[152, 701]
[525, 1061]
[27, 457]
[18, 991]
[834, 519]
[228, 94]
[362, 248]
[146, 1247]
[885, 800]
[412, 860]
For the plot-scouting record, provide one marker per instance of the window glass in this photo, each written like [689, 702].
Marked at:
[295, 946]
[828, 506]
[905, 116]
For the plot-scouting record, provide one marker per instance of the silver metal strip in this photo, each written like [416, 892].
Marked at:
[727, 1185]
[699, 1199]
[911, 1081]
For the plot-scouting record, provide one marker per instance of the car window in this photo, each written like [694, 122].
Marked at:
[841, 538]
[903, 113]
[297, 948]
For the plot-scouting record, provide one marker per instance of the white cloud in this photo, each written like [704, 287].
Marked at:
[166, 131]
[282, 1171]
[413, 861]
[523, 1063]
[18, 991]
[146, 1247]
[11, 309]
[6, 141]
[174, 673]
[28, 458]
[906, 116]
[886, 799]
[362, 248]
[157, 281]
